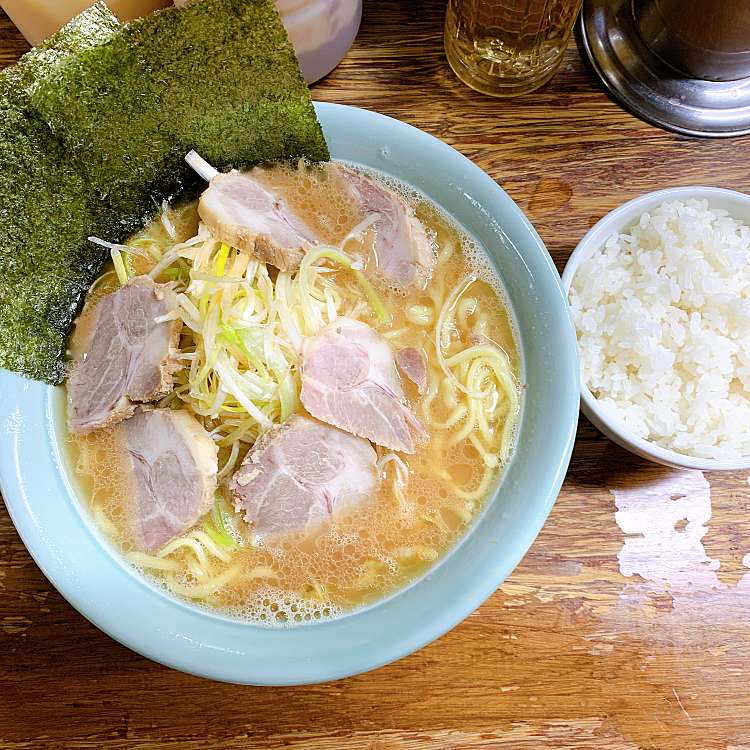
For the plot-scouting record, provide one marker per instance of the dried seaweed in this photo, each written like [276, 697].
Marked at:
[46, 211]
[219, 76]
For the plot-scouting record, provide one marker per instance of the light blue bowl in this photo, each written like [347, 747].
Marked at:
[91, 576]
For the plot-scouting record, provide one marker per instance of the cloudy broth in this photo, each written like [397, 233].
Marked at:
[369, 550]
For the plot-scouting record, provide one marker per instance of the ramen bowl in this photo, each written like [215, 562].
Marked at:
[51, 518]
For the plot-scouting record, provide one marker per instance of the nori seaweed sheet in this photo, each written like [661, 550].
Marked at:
[94, 126]
[43, 271]
[219, 76]
[46, 212]
[90, 28]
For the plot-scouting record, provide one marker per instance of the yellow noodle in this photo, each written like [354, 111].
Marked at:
[202, 590]
[466, 429]
[420, 315]
[423, 552]
[453, 419]
[489, 457]
[450, 398]
[476, 376]
[459, 510]
[446, 313]
[480, 490]
[464, 310]
[394, 334]
[189, 543]
[210, 545]
[434, 517]
[103, 522]
[142, 560]
[446, 252]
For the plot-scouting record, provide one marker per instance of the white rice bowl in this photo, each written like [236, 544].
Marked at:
[662, 315]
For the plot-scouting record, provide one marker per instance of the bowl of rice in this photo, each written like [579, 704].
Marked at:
[659, 293]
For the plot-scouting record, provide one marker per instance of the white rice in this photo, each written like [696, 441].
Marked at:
[663, 321]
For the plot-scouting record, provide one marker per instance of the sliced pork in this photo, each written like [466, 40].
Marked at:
[413, 363]
[130, 357]
[240, 211]
[349, 380]
[404, 256]
[173, 462]
[299, 473]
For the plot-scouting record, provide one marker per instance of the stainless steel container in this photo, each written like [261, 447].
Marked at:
[682, 64]
[708, 40]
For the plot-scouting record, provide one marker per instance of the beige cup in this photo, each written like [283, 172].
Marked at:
[38, 19]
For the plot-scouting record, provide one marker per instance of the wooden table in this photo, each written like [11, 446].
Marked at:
[626, 625]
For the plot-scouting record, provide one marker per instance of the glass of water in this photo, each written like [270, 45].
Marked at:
[507, 47]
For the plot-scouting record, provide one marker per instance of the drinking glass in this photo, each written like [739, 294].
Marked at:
[507, 47]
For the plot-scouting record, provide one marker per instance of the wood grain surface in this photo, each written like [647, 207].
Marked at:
[627, 624]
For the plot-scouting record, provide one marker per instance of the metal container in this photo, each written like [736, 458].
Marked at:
[682, 64]
[701, 39]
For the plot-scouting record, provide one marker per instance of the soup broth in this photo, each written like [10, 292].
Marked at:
[424, 501]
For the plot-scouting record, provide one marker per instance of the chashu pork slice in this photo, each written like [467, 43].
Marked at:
[173, 464]
[299, 472]
[130, 358]
[404, 256]
[349, 380]
[241, 212]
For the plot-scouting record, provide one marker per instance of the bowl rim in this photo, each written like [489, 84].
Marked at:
[46, 513]
[618, 220]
